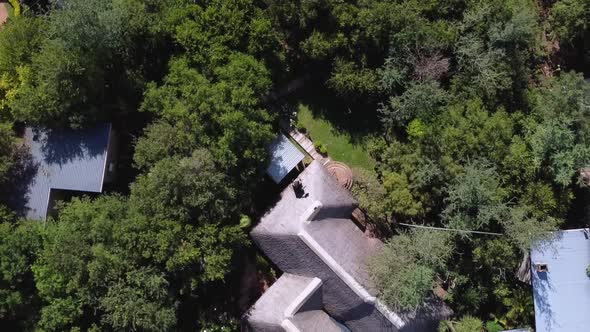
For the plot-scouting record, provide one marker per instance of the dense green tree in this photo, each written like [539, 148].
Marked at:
[89, 62]
[422, 100]
[412, 180]
[456, 83]
[7, 150]
[371, 196]
[498, 41]
[20, 39]
[190, 188]
[69, 280]
[404, 270]
[565, 98]
[211, 31]
[468, 131]
[139, 302]
[109, 264]
[350, 39]
[554, 140]
[475, 199]
[569, 19]
[350, 80]
[19, 245]
[525, 229]
[223, 113]
[161, 140]
[465, 324]
[399, 198]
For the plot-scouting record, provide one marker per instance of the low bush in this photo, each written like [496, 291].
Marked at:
[16, 6]
[323, 149]
[301, 128]
[245, 221]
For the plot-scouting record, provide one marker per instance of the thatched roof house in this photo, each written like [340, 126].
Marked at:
[325, 286]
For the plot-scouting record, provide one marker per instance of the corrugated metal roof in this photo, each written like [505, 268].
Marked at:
[63, 159]
[562, 294]
[284, 156]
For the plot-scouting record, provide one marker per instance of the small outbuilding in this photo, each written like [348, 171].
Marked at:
[60, 163]
[284, 157]
[561, 284]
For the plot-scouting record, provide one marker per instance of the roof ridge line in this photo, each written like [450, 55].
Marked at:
[288, 325]
[311, 211]
[348, 279]
[305, 294]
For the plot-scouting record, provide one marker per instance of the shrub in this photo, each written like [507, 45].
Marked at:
[493, 326]
[16, 5]
[301, 128]
[323, 149]
[466, 324]
[245, 221]
[588, 271]
[416, 129]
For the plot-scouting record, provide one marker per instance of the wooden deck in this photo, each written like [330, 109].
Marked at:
[307, 145]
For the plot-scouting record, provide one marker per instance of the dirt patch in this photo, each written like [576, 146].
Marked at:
[3, 13]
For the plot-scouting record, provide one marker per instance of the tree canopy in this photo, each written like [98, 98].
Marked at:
[476, 113]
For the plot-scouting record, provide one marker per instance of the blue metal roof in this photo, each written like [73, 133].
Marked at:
[562, 294]
[63, 159]
[284, 156]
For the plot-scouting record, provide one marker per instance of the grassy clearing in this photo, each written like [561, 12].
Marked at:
[340, 145]
[9, 9]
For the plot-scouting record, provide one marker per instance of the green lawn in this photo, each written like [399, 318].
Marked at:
[9, 9]
[340, 145]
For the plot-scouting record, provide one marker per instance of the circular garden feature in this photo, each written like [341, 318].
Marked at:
[341, 172]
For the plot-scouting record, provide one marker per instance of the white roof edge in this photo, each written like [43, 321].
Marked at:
[288, 325]
[47, 204]
[348, 279]
[576, 230]
[106, 157]
[298, 302]
[391, 316]
[311, 211]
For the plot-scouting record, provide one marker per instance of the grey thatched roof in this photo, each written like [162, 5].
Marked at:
[313, 237]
